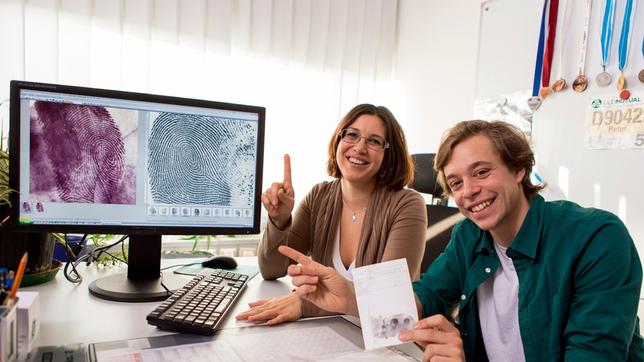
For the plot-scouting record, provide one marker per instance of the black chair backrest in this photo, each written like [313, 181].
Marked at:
[425, 177]
[439, 234]
[440, 222]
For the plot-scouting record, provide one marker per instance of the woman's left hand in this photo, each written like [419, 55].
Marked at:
[275, 310]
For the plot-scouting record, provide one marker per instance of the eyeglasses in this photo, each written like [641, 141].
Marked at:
[353, 136]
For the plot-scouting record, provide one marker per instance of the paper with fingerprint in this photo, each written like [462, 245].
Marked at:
[206, 160]
[385, 302]
[82, 153]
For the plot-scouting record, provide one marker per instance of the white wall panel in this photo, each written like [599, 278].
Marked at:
[135, 55]
[12, 41]
[106, 44]
[41, 40]
[74, 42]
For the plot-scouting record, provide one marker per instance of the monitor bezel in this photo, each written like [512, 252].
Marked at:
[14, 167]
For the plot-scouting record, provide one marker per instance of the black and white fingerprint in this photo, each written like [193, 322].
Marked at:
[202, 160]
[391, 326]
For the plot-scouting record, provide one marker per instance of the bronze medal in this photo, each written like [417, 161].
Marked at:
[580, 83]
[641, 76]
[544, 92]
[559, 85]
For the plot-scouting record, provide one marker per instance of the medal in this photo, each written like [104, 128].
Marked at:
[641, 74]
[544, 92]
[624, 40]
[621, 81]
[580, 84]
[560, 84]
[534, 102]
[603, 79]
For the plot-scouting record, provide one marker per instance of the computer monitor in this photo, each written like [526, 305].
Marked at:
[99, 161]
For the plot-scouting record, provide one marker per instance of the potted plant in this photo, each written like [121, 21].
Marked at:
[5, 190]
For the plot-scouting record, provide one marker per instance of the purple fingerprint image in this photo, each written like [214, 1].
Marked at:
[81, 154]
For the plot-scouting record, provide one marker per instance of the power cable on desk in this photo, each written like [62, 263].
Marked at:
[180, 265]
[73, 275]
[163, 284]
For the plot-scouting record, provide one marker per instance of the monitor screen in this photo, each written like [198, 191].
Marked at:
[102, 161]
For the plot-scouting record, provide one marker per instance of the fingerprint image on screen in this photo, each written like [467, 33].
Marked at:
[205, 160]
[82, 154]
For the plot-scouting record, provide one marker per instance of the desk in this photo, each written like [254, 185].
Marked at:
[70, 314]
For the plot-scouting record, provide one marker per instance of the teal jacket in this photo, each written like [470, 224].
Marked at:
[579, 284]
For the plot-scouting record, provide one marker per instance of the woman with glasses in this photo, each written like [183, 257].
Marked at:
[364, 216]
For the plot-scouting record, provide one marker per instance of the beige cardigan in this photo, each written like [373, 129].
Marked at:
[394, 227]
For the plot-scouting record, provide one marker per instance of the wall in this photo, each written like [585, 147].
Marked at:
[607, 179]
[437, 68]
[308, 62]
[559, 124]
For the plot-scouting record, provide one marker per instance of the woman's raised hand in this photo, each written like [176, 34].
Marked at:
[280, 198]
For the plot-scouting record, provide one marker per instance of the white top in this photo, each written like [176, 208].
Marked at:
[337, 260]
[498, 303]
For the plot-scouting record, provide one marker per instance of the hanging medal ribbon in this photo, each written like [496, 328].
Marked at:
[534, 102]
[580, 83]
[560, 83]
[550, 45]
[603, 79]
[624, 41]
[641, 74]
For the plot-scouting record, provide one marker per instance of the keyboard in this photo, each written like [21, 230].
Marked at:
[201, 304]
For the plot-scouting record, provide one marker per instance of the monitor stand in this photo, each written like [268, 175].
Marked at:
[142, 283]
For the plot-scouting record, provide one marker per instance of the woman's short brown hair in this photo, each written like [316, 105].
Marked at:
[397, 169]
[509, 142]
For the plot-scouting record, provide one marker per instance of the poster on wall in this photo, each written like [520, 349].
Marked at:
[614, 123]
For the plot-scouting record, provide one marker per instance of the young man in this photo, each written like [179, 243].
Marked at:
[532, 280]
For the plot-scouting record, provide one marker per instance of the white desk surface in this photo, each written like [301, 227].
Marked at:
[70, 314]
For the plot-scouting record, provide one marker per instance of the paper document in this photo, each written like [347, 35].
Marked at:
[385, 302]
[311, 344]
[317, 339]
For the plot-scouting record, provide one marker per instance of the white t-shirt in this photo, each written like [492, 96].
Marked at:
[338, 265]
[498, 304]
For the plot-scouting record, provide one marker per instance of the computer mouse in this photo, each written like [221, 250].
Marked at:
[220, 262]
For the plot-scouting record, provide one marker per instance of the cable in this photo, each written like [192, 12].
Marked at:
[73, 275]
[104, 249]
[178, 265]
[163, 285]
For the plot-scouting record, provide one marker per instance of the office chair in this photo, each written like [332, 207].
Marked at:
[440, 217]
